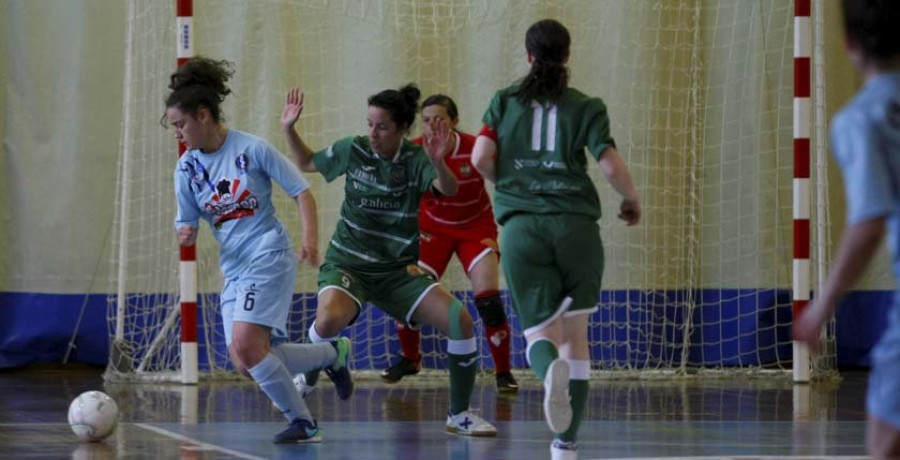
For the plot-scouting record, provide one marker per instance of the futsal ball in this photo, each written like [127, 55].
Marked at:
[93, 416]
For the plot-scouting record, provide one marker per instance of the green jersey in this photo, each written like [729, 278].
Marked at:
[541, 161]
[378, 229]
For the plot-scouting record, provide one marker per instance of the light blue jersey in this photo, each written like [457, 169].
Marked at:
[865, 137]
[231, 189]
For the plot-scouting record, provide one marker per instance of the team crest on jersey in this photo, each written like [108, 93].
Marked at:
[242, 162]
[465, 170]
[398, 176]
[229, 202]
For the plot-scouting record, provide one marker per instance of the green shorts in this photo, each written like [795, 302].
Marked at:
[397, 293]
[553, 266]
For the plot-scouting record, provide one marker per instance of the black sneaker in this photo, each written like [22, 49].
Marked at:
[506, 383]
[338, 372]
[299, 432]
[403, 367]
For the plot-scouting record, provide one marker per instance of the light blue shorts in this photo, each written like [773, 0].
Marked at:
[261, 294]
[883, 398]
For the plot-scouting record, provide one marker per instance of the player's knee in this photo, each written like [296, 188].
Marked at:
[238, 365]
[328, 325]
[460, 322]
[242, 355]
[491, 310]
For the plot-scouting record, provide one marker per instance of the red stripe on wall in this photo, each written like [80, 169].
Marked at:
[188, 253]
[801, 76]
[189, 322]
[801, 159]
[801, 238]
[802, 7]
[184, 8]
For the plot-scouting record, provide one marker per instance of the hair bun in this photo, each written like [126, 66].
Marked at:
[204, 72]
[411, 93]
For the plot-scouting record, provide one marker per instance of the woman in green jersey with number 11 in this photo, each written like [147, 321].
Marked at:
[533, 146]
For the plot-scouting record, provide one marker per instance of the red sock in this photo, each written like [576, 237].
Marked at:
[499, 338]
[409, 342]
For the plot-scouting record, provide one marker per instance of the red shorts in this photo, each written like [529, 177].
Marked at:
[471, 242]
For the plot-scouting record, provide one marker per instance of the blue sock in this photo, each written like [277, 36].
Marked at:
[275, 381]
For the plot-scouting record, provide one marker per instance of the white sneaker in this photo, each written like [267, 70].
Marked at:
[561, 450]
[468, 423]
[302, 387]
[557, 409]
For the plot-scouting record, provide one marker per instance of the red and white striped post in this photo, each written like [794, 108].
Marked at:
[802, 124]
[187, 269]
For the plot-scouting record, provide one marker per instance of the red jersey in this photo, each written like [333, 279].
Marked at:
[470, 202]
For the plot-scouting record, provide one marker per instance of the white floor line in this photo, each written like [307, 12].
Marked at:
[199, 443]
[753, 457]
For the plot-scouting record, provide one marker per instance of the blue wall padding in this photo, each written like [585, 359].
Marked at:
[730, 328]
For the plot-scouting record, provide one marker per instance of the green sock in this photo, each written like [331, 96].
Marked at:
[578, 392]
[462, 380]
[540, 354]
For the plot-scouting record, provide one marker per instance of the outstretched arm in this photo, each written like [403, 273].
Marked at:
[309, 241]
[293, 107]
[855, 251]
[617, 174]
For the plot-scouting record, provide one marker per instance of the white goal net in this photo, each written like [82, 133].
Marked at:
[700, 100]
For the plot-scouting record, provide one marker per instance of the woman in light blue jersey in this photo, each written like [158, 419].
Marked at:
[865, 137]
[225, 178]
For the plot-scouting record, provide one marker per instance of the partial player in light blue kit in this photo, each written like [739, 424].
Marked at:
[865, 137]
[225, 178]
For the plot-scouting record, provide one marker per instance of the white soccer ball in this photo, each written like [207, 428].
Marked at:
[93, 416]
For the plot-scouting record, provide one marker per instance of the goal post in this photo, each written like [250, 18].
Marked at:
[701, 101]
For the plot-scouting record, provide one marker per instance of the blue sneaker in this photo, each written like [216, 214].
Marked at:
[299, 432]
[339, 373]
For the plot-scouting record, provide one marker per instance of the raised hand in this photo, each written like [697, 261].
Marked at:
[437, 140]
[293, 107]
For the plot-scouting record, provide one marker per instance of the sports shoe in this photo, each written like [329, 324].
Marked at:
[561, 450]
[506, 383]
[468, 423]
[302, 388]
[557, 410]
[299, 431]
[339, 373]
[403, 367]
[311, 378]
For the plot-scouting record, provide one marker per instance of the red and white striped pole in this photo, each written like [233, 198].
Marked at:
[187, 269]
[802, 124]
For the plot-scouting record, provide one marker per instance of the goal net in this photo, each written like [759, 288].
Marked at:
[700, 100]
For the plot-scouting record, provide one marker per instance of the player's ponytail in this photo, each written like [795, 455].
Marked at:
[402, 104]
[548, 43]
[200, 82]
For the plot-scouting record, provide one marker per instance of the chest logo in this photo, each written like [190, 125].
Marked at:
[229, 202]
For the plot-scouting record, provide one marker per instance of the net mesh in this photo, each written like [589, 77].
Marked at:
[700, 101]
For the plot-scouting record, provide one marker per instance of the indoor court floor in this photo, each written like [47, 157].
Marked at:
[746, 418]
